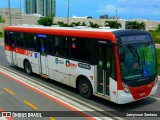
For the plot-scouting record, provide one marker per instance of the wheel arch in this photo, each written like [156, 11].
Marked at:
[82, 77]
[25, 60]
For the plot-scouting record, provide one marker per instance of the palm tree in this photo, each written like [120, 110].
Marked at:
[113, 24]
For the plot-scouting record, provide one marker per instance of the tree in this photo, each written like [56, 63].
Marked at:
[158, 27]
[114, 24]
[93, 25]
[135, 25]
[46, 21]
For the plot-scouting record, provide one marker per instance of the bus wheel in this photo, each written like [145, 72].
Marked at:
[85, 88]
[28, 68]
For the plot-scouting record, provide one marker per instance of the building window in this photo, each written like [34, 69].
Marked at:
[81, 49]
[61, 46]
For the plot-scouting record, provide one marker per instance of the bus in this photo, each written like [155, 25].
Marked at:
[113, 64]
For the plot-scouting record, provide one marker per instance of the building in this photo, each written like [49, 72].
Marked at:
[42, 7]
[15, 13]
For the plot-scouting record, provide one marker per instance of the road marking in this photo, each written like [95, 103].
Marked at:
[30, 104]
[9, 91]
[52, 118]
[54, 94]
[155, 98]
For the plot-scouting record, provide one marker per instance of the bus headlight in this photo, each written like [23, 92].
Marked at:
[126, 89]
[156, 81]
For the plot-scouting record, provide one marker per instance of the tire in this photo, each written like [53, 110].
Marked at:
[28, 68]
[85, 88]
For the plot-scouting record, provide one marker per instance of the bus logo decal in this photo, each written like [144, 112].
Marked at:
[70, 65]
[85, 66]
[58, 61]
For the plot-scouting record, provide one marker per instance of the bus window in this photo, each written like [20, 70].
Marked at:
[20, 40]
[81, 49]
[50, 45]
[9, 38]
[31, 41]
[61, 46]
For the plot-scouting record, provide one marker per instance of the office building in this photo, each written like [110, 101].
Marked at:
[42, 7]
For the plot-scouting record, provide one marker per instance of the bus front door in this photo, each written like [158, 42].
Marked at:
[104, 69]
[43, 56]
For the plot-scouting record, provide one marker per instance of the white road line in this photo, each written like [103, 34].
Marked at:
[155, 98]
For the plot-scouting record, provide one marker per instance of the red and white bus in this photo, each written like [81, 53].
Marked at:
[117, 65]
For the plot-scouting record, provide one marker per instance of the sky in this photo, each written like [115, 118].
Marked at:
[126, 9]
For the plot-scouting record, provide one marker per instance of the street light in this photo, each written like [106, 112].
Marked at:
[9, 12]
[116, 14]
[68, 12]
[20, 12]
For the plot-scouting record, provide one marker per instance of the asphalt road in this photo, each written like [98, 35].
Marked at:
[148, 104]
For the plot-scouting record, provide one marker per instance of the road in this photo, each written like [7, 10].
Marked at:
[97, 104]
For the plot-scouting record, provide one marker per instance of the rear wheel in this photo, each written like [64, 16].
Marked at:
[85, 88]
[28, 68]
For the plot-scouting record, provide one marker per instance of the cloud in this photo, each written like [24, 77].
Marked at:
[133, 8]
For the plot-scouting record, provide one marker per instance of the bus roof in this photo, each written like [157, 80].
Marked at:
[106, 34]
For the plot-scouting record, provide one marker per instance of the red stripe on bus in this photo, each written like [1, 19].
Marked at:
[20, 51]
[119, 79]
[9, 48]
[49, 97]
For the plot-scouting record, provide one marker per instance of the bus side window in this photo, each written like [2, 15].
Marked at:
[12, 39]
[50, 45]
[81, 49]
[61, 46]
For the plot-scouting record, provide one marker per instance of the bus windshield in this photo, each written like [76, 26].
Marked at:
[137, 61]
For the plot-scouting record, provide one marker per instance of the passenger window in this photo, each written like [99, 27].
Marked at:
[81, 49]
[50, 45]
[61, 46]
[20, 40]
[31, 41]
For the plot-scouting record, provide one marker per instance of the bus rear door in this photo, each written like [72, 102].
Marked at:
[43, 54]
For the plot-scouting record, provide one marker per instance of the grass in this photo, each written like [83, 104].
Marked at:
[158, 60]
[156, 35]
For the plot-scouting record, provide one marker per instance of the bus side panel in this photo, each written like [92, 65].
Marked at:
[51, 67]
[113, 90]
[8, 56]
[66, 71]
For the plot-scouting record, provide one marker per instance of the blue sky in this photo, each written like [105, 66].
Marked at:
[127, 9]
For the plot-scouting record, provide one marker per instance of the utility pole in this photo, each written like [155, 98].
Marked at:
[9, 11]
[68, 12]
[116, 14]
[20, 13]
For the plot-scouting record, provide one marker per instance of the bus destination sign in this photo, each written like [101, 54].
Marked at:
[135, 39]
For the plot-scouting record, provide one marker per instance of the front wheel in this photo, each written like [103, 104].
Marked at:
[85, 88]
[28, 68]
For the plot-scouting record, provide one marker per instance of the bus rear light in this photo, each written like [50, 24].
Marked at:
[126, 89]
